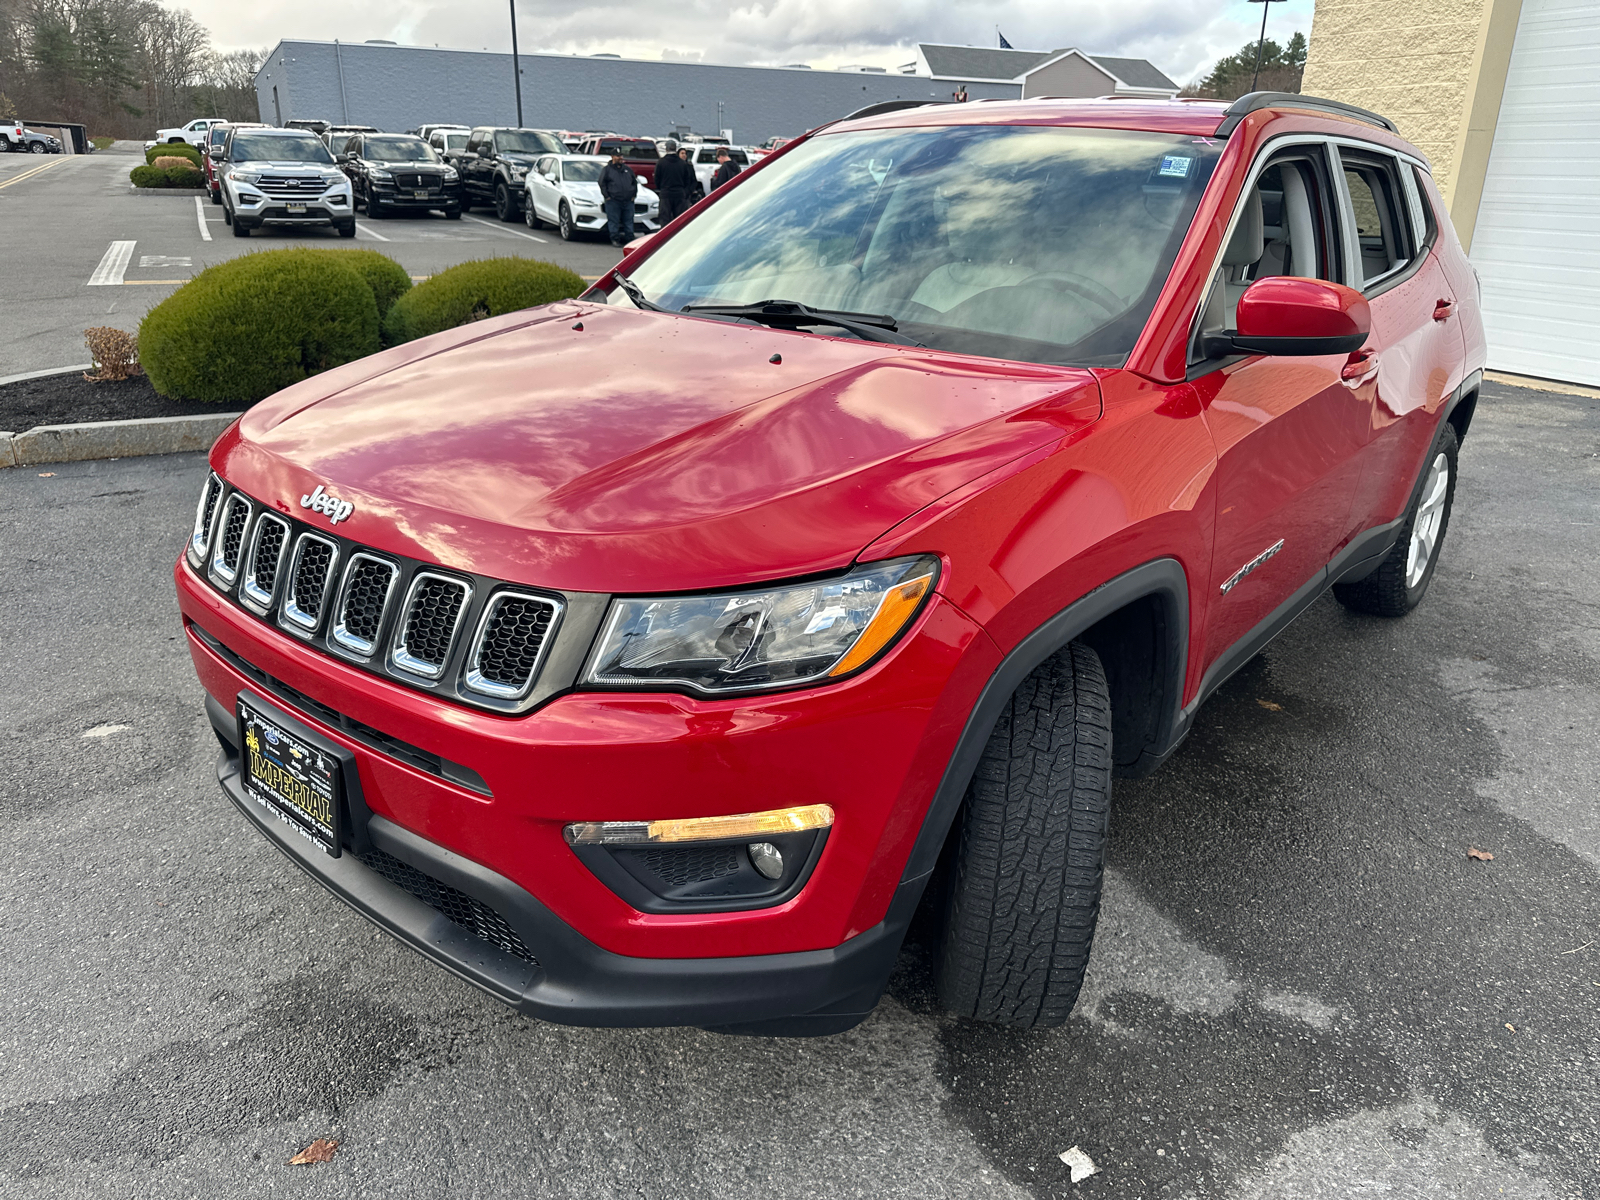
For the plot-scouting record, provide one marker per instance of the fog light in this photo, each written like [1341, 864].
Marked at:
[701, 829]
[766, 858]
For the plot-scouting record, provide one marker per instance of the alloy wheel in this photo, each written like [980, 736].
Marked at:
[568, 229]
[1430, 516]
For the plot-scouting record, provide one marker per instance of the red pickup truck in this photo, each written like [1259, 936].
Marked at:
[651, 658]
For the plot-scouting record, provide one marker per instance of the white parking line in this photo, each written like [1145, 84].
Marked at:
[114, 265]
[378, 237]
[200, 216]
[501, 226]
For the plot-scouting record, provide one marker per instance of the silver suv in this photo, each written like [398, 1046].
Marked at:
[282, 177]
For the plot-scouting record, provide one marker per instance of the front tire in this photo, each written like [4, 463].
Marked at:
[347, 230]
[240, 229]
[1398, 583]
[36, 148]
[1024, 888]
[565, 223]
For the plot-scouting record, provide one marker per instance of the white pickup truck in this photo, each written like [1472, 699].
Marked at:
[12, 134]
[194, 133]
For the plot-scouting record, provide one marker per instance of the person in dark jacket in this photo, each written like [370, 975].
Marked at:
[726, 169]
[674, 180]
[618, 188]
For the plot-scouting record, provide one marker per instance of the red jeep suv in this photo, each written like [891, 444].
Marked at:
[649, 658]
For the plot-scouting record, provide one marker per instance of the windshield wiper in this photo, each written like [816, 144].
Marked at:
[635, 293]
[869, 327]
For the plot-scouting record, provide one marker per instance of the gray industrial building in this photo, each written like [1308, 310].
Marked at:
[397, 87]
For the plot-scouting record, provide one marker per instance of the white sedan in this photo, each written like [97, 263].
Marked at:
[564, 191]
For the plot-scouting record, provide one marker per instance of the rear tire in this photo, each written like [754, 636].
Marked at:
[1400, 581]
[530, 216]
[1023, 896]
[505, 206]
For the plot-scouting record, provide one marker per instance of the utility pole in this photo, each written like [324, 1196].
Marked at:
[1266, 7]
[516, 63]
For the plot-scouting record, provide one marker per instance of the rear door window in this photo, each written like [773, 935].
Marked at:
[1379, 214]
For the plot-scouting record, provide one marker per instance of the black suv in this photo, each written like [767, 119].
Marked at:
[494, 167]
[395, 172]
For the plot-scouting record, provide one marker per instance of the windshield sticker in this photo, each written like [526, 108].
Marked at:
[1176, 165]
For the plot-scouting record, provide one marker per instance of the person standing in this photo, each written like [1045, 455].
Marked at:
[618, 188]
[726, 169]
[674, 178]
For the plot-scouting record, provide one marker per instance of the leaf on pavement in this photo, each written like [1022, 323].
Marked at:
[1270, 706]
[1480, 855]
[320, 1150]
[1511, 1027]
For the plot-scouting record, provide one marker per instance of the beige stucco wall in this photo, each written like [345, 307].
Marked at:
[1434, 67]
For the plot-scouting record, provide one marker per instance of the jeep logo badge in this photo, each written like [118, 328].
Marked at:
[334, 508]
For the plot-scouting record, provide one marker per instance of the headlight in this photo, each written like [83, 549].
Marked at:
[449, 174]
[381, 174]
[761, 638]
[243, 176]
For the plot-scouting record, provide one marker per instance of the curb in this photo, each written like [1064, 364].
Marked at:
[112, 439]
[139, 191]
[48, 371]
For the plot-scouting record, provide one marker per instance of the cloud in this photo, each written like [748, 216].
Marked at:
[1182, 37]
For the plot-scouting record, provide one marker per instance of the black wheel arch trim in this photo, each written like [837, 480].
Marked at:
[1163, 579]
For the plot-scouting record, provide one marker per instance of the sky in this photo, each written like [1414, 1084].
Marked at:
[1182, 37]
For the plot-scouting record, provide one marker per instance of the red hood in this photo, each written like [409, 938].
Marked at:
[646, 451]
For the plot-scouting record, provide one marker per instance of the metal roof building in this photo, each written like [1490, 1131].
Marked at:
[400, 87]
[1066, 72]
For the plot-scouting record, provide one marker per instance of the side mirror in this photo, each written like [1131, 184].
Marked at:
[341, 158]
[1303, 317]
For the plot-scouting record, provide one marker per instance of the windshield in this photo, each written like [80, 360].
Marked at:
[400, 149]
[526, 141]
[1035, 243]
[582, 172]
[454, 141]
[278, 147]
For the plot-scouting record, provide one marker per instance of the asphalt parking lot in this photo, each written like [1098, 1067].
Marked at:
[68, 265]
[1303, 986]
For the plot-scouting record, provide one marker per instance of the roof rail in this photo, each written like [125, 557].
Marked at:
[888, 106]
[1255, 101]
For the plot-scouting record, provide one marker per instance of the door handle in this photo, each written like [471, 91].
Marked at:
[1442, 310]
[1359, 367]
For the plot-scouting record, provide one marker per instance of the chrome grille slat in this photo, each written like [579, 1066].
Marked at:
[363, 600]
[510, 644]
[311, 576]
[205, 516]
[267, 548]
[229, 536]
[429, 621]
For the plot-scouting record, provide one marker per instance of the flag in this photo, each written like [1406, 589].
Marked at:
[1004, 45]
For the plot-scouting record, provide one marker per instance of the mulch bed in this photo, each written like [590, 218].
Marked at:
[69, 399]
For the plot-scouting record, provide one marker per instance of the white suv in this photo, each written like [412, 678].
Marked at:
[282, 177]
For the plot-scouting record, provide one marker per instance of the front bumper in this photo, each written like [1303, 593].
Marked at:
[388, 196]
[327, 209]
[573, 981]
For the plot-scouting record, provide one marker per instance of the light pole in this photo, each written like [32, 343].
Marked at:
[1266, 7]
[516, 65]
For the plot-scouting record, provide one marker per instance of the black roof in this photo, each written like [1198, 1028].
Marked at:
[981, 62]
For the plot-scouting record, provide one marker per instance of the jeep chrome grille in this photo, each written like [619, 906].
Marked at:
[230, 539]
[266, 557]
[428, 624]
[310, 577]
[509, 644]
[362, 602]
[469, 639]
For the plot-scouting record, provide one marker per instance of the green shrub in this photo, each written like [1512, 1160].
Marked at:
[246, 328]
[172, 150]
[149, 177]
[185, 177]
[387, 278]
[471, 291]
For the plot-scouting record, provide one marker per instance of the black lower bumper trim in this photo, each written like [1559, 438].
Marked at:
[575, 982]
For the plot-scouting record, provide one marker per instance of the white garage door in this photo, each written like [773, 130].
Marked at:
[1537, 242]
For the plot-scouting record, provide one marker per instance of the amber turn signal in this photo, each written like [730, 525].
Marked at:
[894, 610]
[699, 829]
